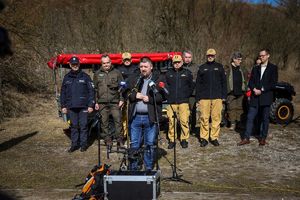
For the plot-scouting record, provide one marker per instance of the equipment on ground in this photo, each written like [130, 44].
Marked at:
[93, 188]
[132, 185]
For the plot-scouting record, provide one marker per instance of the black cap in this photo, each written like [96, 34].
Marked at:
[74, 60]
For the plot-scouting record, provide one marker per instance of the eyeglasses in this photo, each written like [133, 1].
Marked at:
[210, 55]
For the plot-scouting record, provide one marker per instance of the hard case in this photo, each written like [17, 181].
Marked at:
[138, 185]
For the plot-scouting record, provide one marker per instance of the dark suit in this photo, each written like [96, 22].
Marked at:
[261, 103]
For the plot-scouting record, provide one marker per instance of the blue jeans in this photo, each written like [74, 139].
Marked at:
[79, 126]
[263, 121]
[141, 128]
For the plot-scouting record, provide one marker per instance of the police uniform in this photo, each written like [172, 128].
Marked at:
[77, 94]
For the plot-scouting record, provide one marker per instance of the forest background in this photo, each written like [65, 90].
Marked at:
[41, 29]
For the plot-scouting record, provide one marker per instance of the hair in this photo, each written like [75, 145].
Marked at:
[146, 60]
[105, 55]
[235, 55]
[266, 50]
[255, 59]
[187, 51]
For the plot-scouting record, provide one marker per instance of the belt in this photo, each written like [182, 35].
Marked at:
[141, 113]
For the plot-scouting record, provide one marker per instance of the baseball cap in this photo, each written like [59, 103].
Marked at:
[74, 60]
[211, 52]
[176, 58]
[126, 56]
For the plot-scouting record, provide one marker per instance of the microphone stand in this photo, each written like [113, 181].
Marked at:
[98, 124]
[157, 130]
[175, 176]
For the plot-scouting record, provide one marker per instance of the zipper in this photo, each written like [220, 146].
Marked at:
[176, 88]
[210, 81]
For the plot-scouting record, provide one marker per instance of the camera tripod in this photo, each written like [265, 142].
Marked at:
[175, 176]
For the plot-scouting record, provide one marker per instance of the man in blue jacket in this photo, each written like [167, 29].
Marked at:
[77, 99]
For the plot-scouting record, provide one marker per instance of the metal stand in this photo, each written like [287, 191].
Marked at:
[157, 131]
[175, 176]
[96, 123]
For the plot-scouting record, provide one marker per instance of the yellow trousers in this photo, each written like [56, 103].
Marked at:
[210, 108]
[183, 113]
[125, 121]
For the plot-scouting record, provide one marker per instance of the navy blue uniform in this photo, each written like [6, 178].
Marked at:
[77, 94]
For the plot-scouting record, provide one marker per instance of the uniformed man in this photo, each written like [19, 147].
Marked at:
[180, 86]
[211, 90]
[187, 57]
[127, 69]
[108, 98]
[77, 99]
[188, 63]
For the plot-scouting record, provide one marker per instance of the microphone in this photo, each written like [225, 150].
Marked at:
[138, 81]
[162, 86]
[153, 86]
[122, 86]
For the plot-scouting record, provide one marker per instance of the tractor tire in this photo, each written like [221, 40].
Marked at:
[282, 111]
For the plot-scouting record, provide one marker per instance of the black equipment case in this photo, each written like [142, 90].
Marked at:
[129, 185]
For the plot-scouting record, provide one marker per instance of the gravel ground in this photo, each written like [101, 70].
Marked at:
[35, 165]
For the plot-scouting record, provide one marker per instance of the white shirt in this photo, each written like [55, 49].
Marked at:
[262, 70]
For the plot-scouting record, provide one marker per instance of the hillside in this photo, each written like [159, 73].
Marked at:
[42, 29]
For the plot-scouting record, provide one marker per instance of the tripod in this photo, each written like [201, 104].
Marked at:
[175, 176]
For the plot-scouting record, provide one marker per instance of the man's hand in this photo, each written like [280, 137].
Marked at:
[121, 103]
[64, 110]
[90, 109]
[139, 95]
[97, 106]
[257, 92]
[145, 99]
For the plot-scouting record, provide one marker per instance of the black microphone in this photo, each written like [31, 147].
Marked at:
[153, 86]
[162, 86]
[138, 81]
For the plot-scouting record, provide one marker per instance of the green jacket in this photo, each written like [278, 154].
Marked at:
[230, 79]
[107, 85]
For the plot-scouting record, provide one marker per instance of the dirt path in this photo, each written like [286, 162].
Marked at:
[35, 165]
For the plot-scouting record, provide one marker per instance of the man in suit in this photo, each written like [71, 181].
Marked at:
[262, 82]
